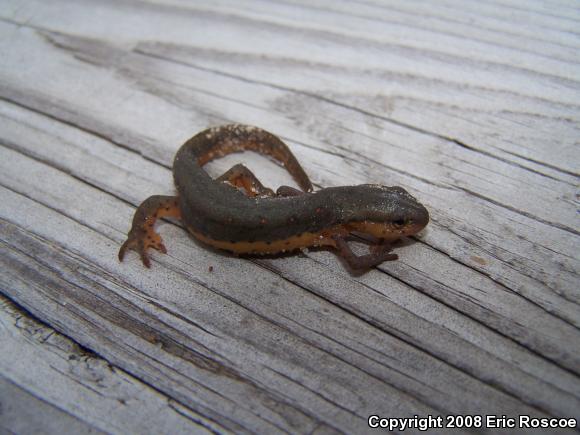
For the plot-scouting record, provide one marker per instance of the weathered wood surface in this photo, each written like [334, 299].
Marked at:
[51, 385]
[473, 106]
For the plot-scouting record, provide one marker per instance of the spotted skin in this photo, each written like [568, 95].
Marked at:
[237, 213]
[142, 235]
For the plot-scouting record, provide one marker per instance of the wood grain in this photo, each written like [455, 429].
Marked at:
[51, 385]
[472, 106]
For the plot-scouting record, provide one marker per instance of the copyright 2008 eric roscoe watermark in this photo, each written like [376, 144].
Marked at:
[468, 422]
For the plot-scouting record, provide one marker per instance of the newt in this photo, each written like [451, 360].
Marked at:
[236, 213]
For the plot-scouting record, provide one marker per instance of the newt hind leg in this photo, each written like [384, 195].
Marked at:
[288, 191]
[241, 177]
[142, 235]
[378, 254]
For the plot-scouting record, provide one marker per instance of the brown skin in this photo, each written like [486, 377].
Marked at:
[238, 214]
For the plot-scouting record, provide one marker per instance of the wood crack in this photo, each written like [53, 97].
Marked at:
[177, 407]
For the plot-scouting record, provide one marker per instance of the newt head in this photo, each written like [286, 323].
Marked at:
[386, 212]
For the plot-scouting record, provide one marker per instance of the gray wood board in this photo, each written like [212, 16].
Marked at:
[48, 384]
[473, 107]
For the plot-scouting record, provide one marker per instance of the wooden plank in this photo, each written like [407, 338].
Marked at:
[51, 385]
[419, 77]
[37, 141]
[477, 230]
[24, 413]
[481, 313]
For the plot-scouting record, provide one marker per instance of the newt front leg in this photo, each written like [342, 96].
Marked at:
[142, 235]
[378, 254]
[241, 177]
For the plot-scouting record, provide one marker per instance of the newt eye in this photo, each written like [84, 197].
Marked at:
[399, 223]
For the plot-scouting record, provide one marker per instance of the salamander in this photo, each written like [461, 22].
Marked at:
[236, 213]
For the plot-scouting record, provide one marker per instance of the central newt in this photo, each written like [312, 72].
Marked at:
[236, 213]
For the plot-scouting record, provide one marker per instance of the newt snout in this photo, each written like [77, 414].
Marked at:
[410, 214]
